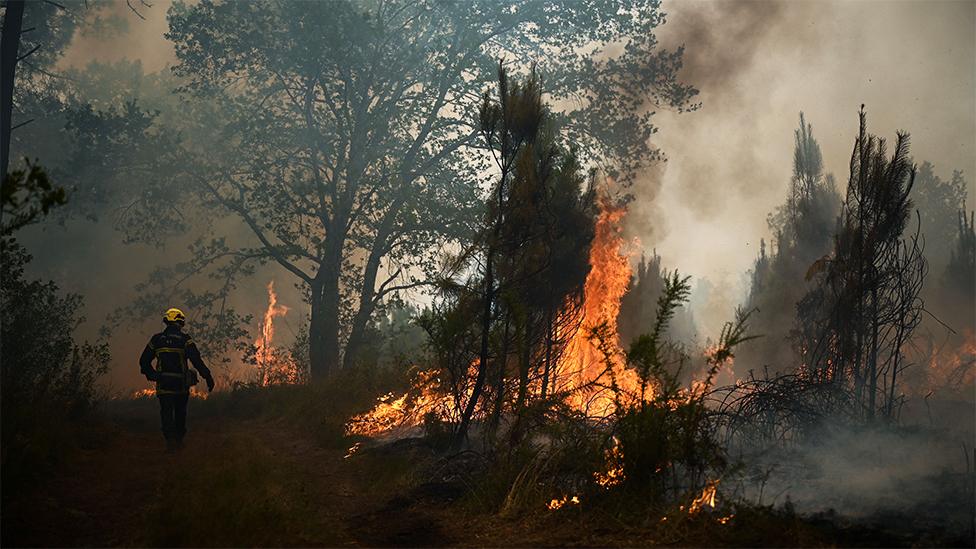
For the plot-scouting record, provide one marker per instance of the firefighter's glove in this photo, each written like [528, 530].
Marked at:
[210, 384]
[151, 376]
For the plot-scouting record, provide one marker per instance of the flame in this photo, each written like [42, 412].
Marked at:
[352, 450]
[583, 368]
[614, 473]
[272, 366]
[393, 414]
[953, 369]
[582, 372]
[560, 503]
[144, 393]
[151, 392]
[707, 497]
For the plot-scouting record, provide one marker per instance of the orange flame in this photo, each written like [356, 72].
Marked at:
[560, 503]
[273, 367]
[953, 369]
[614, 473]
[583, 369]
[707, 497]
[151, 392]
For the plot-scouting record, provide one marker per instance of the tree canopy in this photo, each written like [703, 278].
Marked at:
[346, 143]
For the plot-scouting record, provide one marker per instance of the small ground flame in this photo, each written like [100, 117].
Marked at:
[614, 470]
[560, 503]
[707, 497]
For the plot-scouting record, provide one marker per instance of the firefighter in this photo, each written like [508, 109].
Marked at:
[171, 349]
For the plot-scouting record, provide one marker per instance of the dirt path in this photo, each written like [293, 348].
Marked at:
[237, 482]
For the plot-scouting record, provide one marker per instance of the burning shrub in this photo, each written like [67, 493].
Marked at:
[664, 446]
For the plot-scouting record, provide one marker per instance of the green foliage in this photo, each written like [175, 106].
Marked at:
[27, 194]
[639, 305]
[346, 128]
[667, 447]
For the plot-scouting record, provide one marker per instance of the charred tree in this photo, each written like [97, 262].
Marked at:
[13, 18]
[802, 228]
[851, 328]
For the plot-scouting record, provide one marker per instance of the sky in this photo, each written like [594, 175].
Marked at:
[757, 64]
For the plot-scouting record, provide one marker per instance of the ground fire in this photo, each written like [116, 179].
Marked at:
[584, 374]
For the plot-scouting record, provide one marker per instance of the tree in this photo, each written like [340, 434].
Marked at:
[852, 327]
[938, 201]
[346, 145]
[638, 307]
[530, 257]
[26, 195]
[13, 18]
[960, 273]
[802, 229]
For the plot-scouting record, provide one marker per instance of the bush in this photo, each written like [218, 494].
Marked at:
[47, 378]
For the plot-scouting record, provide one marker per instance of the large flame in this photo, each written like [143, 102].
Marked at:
[272, 365]
[584, 369]
[585, 372]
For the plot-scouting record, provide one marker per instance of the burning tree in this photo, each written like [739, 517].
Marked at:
[274, 366]
[529, 266]
[853, 327]
[343, 141]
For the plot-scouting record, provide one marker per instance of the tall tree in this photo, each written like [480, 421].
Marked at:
[527, 266]
[347, 147]
[853, 326]
[802, 229]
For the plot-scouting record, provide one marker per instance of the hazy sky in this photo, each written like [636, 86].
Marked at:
[757, 64]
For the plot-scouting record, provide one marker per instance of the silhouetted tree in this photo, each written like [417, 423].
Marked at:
[530, 257]
[960, 272]
[802, 230]
[638, 307]
[852, 327]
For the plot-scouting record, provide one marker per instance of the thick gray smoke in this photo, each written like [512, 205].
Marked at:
[757, 65]
[916, 482]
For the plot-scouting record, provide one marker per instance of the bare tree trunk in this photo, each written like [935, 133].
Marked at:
[548, 366]
[873, 358]
[324, 323]
[9, 44]
[489, 294]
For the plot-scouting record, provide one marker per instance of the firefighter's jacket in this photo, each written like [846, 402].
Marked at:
[171, 349]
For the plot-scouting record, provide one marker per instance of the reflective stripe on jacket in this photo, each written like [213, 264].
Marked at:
[171, 349]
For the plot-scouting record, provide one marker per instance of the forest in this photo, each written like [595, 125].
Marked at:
[487, 273]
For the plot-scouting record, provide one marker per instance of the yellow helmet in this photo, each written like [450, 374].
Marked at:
[174, 315]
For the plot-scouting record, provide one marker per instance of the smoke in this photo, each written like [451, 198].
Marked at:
[910, 481]
[126, 35]
[757, 65]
